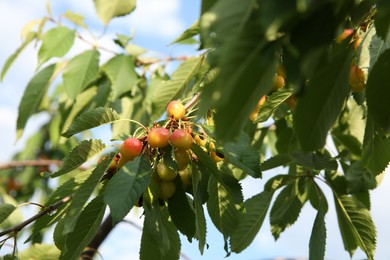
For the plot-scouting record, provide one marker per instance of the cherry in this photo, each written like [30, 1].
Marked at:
[181, 139]
[176, 109]
[345, 34]
[182, 158]
[357, 78]
[158, 137]
[130, 148]
[186, 177]
[255, 111]
[167, 189]
[278, 82]
[165, 173]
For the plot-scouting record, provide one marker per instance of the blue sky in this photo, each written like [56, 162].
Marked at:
[155, 24]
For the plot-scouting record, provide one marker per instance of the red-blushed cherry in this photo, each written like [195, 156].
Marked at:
[130, 148]
[176, 109]
[158, 137]
[181, 139]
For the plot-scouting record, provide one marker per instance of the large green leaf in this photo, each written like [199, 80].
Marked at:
[316, 161]
[5, 211]
[85, 229]
[221, 208]
[318, 234]
[286, 209]
[323, 100]
[108, 9]
[376, 154]
[251, 220]
[79, 155]
[378, 91]
[200, 220]
[275, 161]
[170, 89]
[83, 194]
[356, 225]
[92, 118]
[358, 178]
[181, 212]
[32, 97]
[150, 243]
[126, 187]
[80, 71]
[30, 37]
[272, 103]
[382, 22]
[40, 251]
[55, 43]
[121, 71]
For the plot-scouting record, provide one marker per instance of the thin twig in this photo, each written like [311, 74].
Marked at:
[45, 211]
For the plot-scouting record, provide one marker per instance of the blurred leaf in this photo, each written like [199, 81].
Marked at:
[85, 229]
[85, 150]
[107, 10]
[359, 179]
[378, 91]
[5, 211]
[170, 89]
[83, 193]
[285, 210]
[323, 100]
[121, 71]
[188, 33]
[29, 38]
[272, 103]
[275, 161]
[317, 242]
[75, 18]
[382, 22]
[200, 219]
[135, 50]
[151, 242]
[250, 221]
[221, 208]
[90, 119]
[40, 251]
[243, 155]
[32, 97]
[80, 71]
[356, 225]
[127, 186]
[55, 43]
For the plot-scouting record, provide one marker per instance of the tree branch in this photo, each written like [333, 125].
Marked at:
[34, 163]
[47, 210]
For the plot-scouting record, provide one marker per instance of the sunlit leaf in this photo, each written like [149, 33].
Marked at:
[107, 10]
[40, 251]
[79, 155]
[5, 211]
[187, 34]
[272, 103]
[75, 18]
[92, 118]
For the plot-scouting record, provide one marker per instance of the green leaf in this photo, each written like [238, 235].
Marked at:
[272, 103]
[356, 225]
[40, 251]
[126, 187]
[92, 118]
[200, 219]
[317, 242]
[150, 243]
[121, 71]
[79, 155]
[32, 97]
[316, 161]
[75, 18]
[323, 100]
[83, 193]
[243, 155]
[278, 181]
[376, 153]
[29, 38]
[85, 229]
[5, 211]
[381, 20]
[168, 90]
[358, 178]
[187, 34]
[55, 43]
[275, 161]
[221, 208]
[378, 91]
[107, 10]
[251, 220]
[285, 210]
[80, 71]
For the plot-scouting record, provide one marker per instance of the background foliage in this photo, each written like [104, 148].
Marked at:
[243, 48]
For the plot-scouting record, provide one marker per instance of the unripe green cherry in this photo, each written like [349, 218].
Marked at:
[181, 139]
[186, 177]
[182, 158]
[176, 109]
[165, 173]
[158, 137]
[167, 189]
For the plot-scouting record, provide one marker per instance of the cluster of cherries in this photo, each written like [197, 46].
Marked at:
[177, 133]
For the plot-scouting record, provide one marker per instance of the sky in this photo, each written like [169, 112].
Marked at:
[155, 24]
